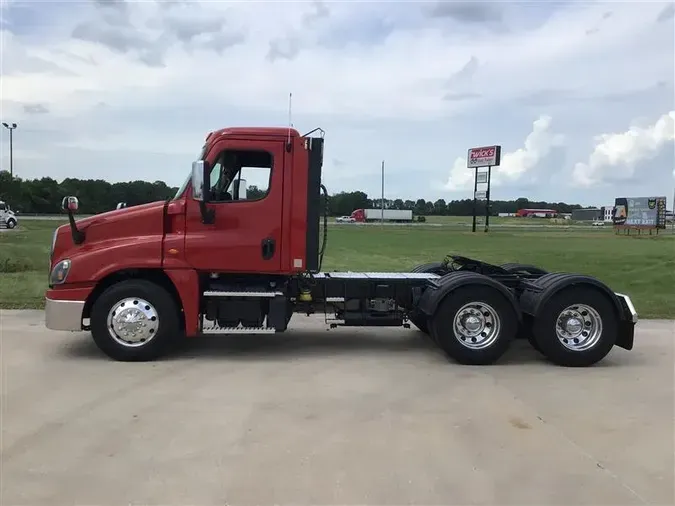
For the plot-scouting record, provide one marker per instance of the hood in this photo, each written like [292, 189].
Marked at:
[119, 215]
[130, 222]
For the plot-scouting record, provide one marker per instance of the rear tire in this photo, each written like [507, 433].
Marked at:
[577, 327]
[135, 320]
[474, 324]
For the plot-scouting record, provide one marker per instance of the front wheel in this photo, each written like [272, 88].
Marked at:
[474, 324]
[577, 327]
[11, 223]
[135, 320]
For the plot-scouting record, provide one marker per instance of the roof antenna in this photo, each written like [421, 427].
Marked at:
[290, 122]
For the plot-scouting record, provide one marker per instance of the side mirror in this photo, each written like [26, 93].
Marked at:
[239, 189]
[70, 204]
[200, 177]
[200, 189]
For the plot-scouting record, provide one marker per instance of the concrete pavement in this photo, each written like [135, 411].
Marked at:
[347, 416]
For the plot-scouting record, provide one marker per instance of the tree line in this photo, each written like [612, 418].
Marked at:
[343, 203]
[44, 195]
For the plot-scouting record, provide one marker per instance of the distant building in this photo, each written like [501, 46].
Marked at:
[592, 214]
[506, 215]
[607, 212]
[536, 213]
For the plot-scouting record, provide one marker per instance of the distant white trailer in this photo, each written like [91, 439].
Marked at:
[367, 215]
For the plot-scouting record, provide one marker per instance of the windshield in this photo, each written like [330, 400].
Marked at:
[182, 187]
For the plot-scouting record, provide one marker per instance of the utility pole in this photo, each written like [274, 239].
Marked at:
[382, 202]
[11, 128]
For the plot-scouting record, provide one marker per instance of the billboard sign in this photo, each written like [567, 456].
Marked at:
[480, 195]
[485, 156]
[640, 212]
[481, 177]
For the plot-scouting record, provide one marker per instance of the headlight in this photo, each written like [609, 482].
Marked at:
[59, 273]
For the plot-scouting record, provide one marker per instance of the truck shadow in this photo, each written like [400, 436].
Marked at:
[307, 344]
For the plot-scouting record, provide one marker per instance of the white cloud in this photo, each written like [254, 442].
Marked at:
[373, 75]
[616, 156]
[515, 165]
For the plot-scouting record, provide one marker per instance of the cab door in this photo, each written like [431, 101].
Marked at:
[246, 233]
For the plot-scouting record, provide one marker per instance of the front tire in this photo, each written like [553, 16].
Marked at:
[11, 223]
[135, 320]
[577, 327]
[474, 324]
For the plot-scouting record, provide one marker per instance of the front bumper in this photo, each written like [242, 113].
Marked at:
[64, 314]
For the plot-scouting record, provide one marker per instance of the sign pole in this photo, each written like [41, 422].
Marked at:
[382, 202]
[486, 156]
[475, 189]
[487, 201]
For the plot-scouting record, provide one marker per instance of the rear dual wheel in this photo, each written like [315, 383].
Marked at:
[576, 327]
[416, 317]
[516, 268]
[474, 324]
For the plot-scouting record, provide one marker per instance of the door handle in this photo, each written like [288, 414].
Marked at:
[267, 248]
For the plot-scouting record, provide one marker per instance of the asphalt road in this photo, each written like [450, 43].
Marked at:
[366, 416]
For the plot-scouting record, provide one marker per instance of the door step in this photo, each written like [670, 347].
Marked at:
[242, 293]
[214, 329]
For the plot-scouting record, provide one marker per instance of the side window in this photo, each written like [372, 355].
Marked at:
[2, 206]
[241, 175]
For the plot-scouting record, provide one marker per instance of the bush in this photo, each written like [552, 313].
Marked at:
[15, 265]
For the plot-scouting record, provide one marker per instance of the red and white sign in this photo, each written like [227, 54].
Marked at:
[486, 156]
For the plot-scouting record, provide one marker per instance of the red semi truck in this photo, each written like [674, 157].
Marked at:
[214, 260]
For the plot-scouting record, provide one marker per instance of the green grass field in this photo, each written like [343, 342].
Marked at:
[641, 266]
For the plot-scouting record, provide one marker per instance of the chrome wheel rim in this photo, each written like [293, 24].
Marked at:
[578, 327]
[476, 325]
[132, 322]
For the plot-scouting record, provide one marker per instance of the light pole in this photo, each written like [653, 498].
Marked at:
[11, 128]
[382, 201]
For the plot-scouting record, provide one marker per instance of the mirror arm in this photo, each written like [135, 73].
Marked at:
[68, 204]
[208, 214]
[78, 235]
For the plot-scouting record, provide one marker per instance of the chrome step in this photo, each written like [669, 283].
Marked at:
[218, 293]
[214, 329]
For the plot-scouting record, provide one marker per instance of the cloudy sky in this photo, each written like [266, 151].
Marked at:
[579, 94]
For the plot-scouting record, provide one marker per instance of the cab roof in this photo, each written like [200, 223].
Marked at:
[255, 131]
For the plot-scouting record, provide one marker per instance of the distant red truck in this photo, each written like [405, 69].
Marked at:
[536, 213]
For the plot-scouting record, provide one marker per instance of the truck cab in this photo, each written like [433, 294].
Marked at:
[254, 216]
[238, 250]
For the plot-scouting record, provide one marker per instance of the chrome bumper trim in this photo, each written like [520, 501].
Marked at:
[64, 314]
[629, 305]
